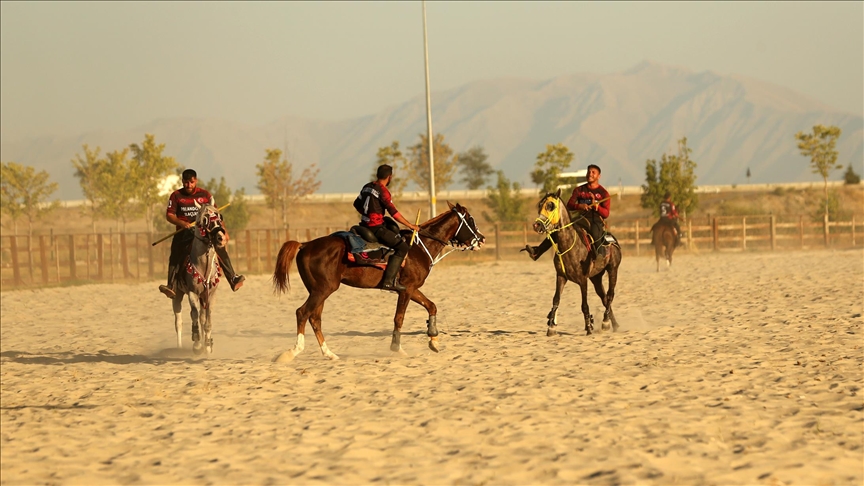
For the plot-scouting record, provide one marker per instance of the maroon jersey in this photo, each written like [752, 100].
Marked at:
[373, 200]
[183, 206]
[582, 195]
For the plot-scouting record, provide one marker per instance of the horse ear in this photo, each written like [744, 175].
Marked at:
[450, 205]
[197, 204]
[558, 193]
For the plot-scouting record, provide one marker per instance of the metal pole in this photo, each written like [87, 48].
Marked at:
[432, 201]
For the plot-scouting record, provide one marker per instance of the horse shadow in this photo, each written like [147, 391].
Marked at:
[102, 356]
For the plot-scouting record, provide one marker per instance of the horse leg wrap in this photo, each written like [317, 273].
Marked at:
[550, 318]
[395, 343]
[431, 328]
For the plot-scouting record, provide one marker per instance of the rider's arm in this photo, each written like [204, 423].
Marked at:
[604, 207]
[398, 217]
[573, 203]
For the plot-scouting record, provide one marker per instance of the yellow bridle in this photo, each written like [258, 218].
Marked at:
[550, 219]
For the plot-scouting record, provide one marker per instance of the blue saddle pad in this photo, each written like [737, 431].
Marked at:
[355, 243]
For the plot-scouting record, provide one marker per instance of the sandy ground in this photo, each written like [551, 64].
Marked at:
[732, 368]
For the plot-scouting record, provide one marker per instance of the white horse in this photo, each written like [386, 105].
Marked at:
[198, 277]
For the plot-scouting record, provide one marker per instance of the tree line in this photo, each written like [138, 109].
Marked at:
[124, 185]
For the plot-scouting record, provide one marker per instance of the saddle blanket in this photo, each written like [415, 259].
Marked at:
[358, 254]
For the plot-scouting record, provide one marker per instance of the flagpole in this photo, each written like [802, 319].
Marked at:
[432, 201]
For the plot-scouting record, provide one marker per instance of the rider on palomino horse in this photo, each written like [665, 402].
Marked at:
[182, 212]
[669, 216]
[592, 202]
[373, 200]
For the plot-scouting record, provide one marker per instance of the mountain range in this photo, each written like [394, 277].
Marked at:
[616, 121]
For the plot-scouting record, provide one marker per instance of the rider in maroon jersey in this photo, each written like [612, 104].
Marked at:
[373, 200]
[182, 213]
[593, 203]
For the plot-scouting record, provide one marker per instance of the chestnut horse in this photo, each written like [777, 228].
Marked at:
[573, 262]
[323, 267]
[664, 241]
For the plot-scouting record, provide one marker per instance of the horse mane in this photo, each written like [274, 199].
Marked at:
[434, 220]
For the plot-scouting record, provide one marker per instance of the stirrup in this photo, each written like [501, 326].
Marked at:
[168, 291]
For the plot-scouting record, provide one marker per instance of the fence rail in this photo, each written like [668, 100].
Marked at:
[108, 257]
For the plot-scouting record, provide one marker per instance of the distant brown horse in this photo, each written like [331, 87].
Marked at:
[664, 240]
[573, 262]
[323, 267]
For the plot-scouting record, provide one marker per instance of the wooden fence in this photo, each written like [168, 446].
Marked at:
[108, 257]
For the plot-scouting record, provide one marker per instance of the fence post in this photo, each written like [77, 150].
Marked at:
[269, 246]
[72, 274]
[100, 257]
[497, 242]
[525, 232]
[57, 257]
[637, 237]
[124, 255]
[16, 270]
[853, 230]
[691, 245]
[801, 229]
[773, 230]
[715, 232]
[257, 251]
[248, 250]
[825, 228]
[87, 249]
[744, 232]
[150, 257]
[43, 259]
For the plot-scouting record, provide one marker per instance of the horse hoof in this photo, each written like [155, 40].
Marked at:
[197, 348]
[605, 327]
[550, 331]
[433, 344]
[395, 347]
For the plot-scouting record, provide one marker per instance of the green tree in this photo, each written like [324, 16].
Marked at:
[850, 177]
[86, 170]
[117, 188]
[277, 182]
[549, 166]
[148, 168]
[820, 147]
[475, 170]
[675, 175]
[393, 156]
[237, 214]
[25, 192]
[445, 162]
[505, 201]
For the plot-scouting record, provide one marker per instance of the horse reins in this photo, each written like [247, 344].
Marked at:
[434, 260]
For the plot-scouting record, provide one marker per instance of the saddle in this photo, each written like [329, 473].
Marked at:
[363, 249]
[588, 240]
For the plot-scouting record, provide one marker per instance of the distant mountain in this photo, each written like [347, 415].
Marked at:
[614, 120]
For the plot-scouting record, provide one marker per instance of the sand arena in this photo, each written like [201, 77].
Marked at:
[732, 368]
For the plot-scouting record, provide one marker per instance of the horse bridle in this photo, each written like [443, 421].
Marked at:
[454, 243]
[549, 227]
[214, 224]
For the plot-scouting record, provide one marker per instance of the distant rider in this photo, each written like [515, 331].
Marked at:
[182, 213]
[373, 201]
[669, 215]
[592, 202]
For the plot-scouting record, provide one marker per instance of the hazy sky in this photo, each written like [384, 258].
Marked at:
[88, 65]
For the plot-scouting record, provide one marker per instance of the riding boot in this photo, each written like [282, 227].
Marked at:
[389, 281]
[168, 290]
[536, 251]
[600, 251]
[234, 280]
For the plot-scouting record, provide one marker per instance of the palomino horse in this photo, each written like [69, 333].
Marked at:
[198, 277]
[573, 262]
[664, 241]
[323, 267]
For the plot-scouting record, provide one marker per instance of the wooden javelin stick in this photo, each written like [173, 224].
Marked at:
[416, 223]
[160, 240]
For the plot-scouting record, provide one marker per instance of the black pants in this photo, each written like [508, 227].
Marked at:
[393, 240]
[182, 243]
[593, 223]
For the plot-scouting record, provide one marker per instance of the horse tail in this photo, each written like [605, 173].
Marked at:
[283, 266]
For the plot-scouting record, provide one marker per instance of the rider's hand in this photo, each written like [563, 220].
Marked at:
[188, 224]
[415, 228]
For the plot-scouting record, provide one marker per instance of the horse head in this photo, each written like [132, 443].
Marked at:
[209, 226]
[552, 213]
[466, 233]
